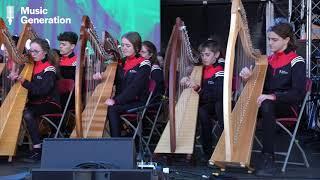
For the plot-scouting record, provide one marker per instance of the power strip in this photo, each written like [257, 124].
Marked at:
[147, 165]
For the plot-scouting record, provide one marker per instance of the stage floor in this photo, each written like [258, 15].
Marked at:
[200, 170]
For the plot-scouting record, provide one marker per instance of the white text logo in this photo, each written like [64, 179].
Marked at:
[10, 14]
[26, 11]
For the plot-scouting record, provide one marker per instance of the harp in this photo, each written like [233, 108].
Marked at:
[91, 94]
[11, 110]
[178, 135]
[235, 144]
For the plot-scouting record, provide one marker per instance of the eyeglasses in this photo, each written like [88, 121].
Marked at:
[34, 52]
[141, 51]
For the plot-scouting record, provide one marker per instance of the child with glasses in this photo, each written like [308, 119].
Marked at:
[149, 51]
[42, 95]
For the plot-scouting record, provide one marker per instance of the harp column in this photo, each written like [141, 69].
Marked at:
[269, 22]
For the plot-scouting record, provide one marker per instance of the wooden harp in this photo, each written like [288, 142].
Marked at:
[235, 144]
[12, 106]
[90, 94]
[179, 133]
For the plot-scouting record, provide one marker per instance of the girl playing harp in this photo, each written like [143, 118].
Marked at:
[284, 88]
[42, 95]
[131, 82]
[149, 51]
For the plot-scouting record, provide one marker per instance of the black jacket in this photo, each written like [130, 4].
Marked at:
[68, 66]
[212, 84]
[132, 83]
[157, 76]
[42, 87]
[286, 77]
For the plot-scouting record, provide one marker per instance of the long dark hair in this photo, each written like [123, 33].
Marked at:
[51, 55]
[284, 30]
[151, 48]
[135, 39]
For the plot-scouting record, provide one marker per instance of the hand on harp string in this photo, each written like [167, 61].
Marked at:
[187, 81]
[16, 77]
[109, 102]
[97, 76]
[13, 75]
[246, 73]
[184, 80]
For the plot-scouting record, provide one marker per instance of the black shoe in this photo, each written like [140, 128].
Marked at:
[267, 168]
[205, 157]
[35, 156]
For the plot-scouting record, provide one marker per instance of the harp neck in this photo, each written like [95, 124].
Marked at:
[111, 45]
[88, 34]
[14, 51]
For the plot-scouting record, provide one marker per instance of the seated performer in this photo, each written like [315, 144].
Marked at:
[284, 88]
[131, 82]
[42, 95]
[210, 102]
[149, 51]
[68, 59]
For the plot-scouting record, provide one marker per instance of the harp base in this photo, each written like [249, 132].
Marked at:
[170, 159]
[223, 165]
[186, 112]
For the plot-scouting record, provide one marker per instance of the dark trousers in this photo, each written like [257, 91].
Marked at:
[31, 114]
[270, 110]
[206, 111]
[114, 113]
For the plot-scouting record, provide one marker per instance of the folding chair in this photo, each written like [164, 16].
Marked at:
[136, 115]
[64, 86]
[281, 122]
[153, 117]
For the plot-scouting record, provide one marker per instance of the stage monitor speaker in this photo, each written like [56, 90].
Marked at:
[111, 153]
[95, 174]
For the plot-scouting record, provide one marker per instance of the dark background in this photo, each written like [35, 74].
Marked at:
[213, 18]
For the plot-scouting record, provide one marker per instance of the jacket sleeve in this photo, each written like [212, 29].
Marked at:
[297, 91]
[138, 85]
[42, 87]
[157, 76]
